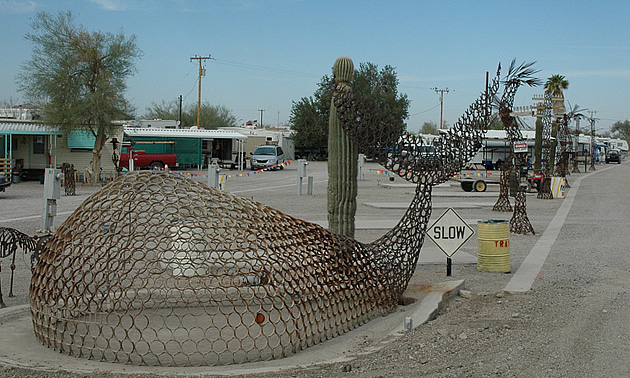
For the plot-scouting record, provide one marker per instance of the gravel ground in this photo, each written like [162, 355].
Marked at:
[572, 323]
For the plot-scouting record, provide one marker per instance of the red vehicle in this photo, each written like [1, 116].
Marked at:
[535, 181]
[141, 159]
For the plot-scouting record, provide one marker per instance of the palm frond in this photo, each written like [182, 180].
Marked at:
[522, 125]
[576, 112]
[522, 74]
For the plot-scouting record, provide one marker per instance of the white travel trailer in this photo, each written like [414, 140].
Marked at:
[495, 149]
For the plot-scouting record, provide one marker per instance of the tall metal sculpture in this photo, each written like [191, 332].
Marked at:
[516, 77]
[158, 269]
[565, 146]
[577, 116]
[545, 112]
[592, 120]
[69, 180]
[503, 202]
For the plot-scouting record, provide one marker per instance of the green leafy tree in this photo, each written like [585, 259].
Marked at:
[309, 116]
[621, 130]
[79, 76]
[306, 120]
[212, 116]
[429, 128]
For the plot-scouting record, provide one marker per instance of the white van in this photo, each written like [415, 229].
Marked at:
[267, 156]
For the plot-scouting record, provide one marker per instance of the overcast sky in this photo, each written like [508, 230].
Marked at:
[267, 54]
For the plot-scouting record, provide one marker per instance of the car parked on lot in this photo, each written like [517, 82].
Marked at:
[613, 156]
[267, 156]
[4, 182]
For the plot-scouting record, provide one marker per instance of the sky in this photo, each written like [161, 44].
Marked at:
[267, 54]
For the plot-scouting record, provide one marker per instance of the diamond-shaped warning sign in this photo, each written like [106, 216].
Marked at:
[450, 232]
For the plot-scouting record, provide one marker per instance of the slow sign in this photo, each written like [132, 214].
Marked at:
[450, 232]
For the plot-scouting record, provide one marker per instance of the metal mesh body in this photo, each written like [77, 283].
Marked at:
[158, 269]
[547, 111]
[69, 182]
[517, 76]
[519, 223]
[565, 147]
[503, 202]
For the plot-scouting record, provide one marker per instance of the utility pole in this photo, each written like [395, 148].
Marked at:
[441, 92]
[201, 73]
[592, 120]
[179, 118]
[261, 116]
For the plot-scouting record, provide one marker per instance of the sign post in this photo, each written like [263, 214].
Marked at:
[449, 232]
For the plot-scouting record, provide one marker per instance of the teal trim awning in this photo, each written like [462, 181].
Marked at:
[81, 139]
[13, 127]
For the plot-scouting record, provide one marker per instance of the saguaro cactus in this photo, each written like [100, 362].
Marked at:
[343, 154]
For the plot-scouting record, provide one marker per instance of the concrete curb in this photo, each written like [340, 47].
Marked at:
[24, 351]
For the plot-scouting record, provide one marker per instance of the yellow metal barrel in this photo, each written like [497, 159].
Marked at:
[493, 253]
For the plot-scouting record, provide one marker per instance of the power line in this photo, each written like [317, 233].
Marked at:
[424, 111]
[267, 69]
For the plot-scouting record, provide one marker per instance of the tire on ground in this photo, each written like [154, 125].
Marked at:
[480, 186]
[156, 165]
[467, 186]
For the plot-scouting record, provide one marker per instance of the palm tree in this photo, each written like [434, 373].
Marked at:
[576, 113]
[556, 84]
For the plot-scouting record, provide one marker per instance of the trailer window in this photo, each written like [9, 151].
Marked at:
[38, 144]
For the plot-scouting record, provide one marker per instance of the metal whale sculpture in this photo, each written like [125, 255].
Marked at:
[159, 269]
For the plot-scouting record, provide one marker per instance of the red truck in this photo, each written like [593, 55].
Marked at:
[142, 159]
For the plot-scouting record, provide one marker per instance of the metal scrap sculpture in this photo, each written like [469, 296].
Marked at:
[69, 181]
[564, 148]
[10, 241]
[158, 269]
[577, 116]
[545, 112]
[516, 77]
[503, 202]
